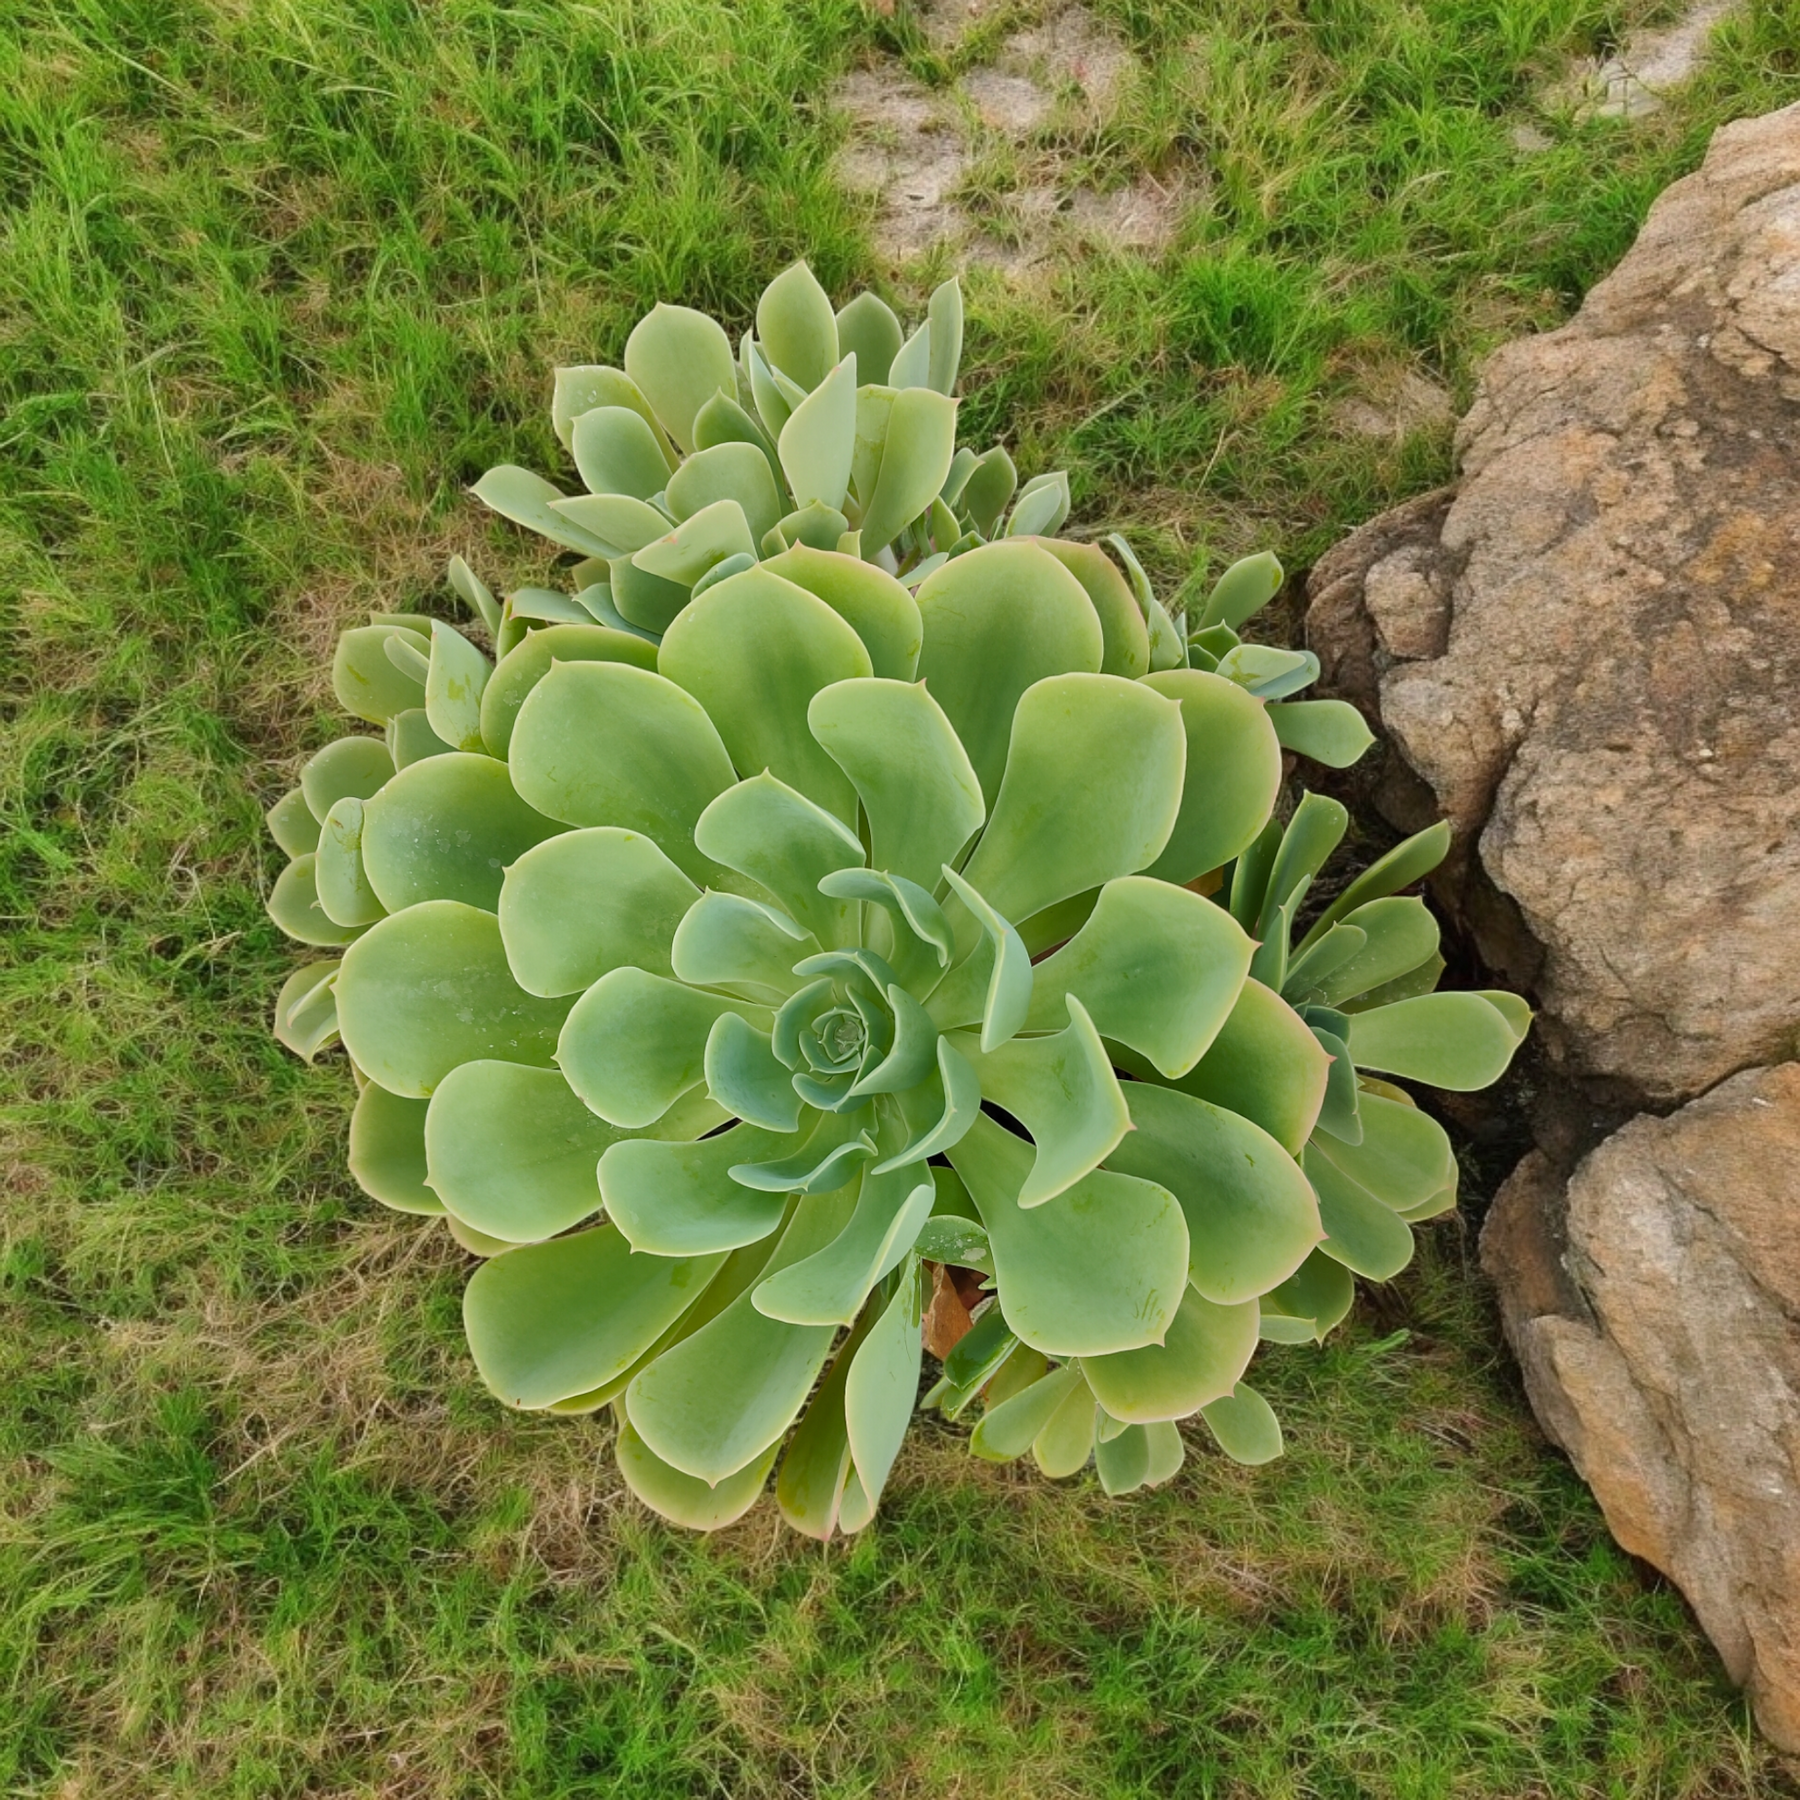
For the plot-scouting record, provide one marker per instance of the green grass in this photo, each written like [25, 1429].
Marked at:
[276, 281]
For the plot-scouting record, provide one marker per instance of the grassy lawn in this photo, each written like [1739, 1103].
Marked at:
[277, 280]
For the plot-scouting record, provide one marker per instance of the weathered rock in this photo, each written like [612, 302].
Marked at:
[1589, 654]
[1654, 1307]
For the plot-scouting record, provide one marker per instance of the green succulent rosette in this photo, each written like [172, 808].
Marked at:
[723, 961]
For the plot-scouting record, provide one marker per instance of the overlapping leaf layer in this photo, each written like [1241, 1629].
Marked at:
[848, 881]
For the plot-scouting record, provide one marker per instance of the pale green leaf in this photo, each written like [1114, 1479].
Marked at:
[1251, 1216]
[1457, 1041]
[636, 1042]
[387, 1151]
[525, 666]
[445, 829]
[427, 989]
[454, 683]
[1244, 1426]
[1207, 1350]
[1091, 791]
[344, 893]
[353, 768]
[547, 1321]
[796, 326]
[1157, 967]
[1233, 773]
[996, 620]
[778, 838]
[1062, 1089]
[679, 359]
[604, 743]
[682, 1499]
[916, 784]
[366, 682]
[753, 651]
[678, 1199]
[293, 904]
[1102, 1267]
[819, 438]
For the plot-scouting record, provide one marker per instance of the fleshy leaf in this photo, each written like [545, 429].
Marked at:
[883, 1385]
[1320, 1292]
[1233, 773]
[366, 682]
[682, 1499]
[997, 975]
[603, 743]
[306, 1009]
[617, 452]
[1244, 1426]
[635, 1043]
[1010, 1428]
[293, 904]
[387, 1151]
[1456, 1041]
[1063, 1447]
[796, 326]
[711, 536]
[429, 988]
[719, 1398]
[355, 768]
[344, 893]
[754, 650]
[511, 1150]
[729, 940]
[1063, 1091]
[529, 500]
[1207, 1350]
[1264, 1065]
[1101, 1267]
[1242, 591]
[988, 489]
[819, 438]
[678, 1199]
[827, 1160]
[1251, 1216]
[830, 1286]
[524, 667]
[1157, 967]
[915, 781]
[868, 329]
[745, 1077]
[1091, 791]
[410, 738]
[581, 388]
[1361, 1233]
[445, 829]
[953, 1102]
[1404, 1157]
[915, 458]
[997, 620]
[1331, 732]
[453, 688]
[586, 902]
[1406, 863]
[731, 471]
[763, 829]
[1127, 641]
[547, 1321]
[679, 359]
[293, 824]
[868, 599]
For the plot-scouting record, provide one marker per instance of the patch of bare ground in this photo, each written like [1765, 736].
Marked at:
[1635, 79]
[919, 153]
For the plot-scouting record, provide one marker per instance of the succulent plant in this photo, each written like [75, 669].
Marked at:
[824, 897]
